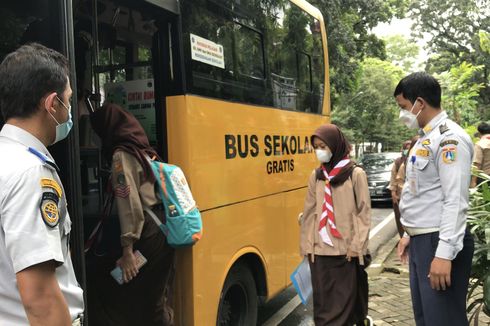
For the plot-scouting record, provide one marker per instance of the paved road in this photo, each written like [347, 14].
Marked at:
[379, 212]
[389, 299]
[302, 316]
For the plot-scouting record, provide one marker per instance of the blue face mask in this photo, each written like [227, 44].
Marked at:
[63, 129]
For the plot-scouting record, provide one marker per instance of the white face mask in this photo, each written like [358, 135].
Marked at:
[409, 119]
[323, 155]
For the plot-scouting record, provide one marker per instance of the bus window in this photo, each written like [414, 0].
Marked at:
[272, 53]
[249, 51]
[124, 72]
[119, 70]
[297, 68]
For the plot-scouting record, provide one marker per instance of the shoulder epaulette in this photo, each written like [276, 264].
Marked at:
[443, 128]
[43, 158]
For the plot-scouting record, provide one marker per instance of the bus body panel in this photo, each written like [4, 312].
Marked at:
[240, 214]
[229, 233]
[219, 145]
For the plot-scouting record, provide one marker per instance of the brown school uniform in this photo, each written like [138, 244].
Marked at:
[145, 300]
[337, 282]
[482, 154]
[396, 185]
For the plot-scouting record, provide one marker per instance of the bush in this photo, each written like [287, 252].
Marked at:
[479, 222]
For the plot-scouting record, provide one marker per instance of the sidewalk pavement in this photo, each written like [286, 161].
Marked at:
[389, 290]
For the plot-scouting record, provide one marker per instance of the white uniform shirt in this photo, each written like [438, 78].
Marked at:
[436, 189]
[28, 187]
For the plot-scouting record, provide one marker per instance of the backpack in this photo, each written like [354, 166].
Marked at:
[183, 226]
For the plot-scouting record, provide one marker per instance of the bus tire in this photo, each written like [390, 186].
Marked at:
[238, 302]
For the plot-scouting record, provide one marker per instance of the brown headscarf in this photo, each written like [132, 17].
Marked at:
[331, 135]
[119, 129]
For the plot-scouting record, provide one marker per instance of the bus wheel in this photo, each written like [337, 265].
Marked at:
[238, 301]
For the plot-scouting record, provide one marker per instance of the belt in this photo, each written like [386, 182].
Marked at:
[419, 231]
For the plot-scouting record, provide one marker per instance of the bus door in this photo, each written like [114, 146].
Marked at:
[126, 53]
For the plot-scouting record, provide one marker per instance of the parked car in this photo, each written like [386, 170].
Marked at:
[378, 169]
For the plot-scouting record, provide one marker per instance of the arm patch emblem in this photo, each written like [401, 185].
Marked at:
[449, 142]
[449, 155]
[49, 209]
[50, 183]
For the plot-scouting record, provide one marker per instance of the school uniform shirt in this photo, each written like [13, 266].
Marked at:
[482, 154]
[34, 222]
[352, 209]
[395, 183]
[436, 190]
[132, 193]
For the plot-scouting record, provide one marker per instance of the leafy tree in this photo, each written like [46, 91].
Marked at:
[401, 52]
[460, 93]
[456, 28]
[369, 114]
[348, 24]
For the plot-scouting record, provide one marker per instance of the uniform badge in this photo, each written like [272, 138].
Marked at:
[50, 183]
[443, 128]
[118, 166]
[427, 129]
[426, 142]
[121, 179]
[49, 209]
[122, 191]
[449, 155]
[422, 152]
[449, 142]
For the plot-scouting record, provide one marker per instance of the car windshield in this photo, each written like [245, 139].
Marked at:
[378, 162]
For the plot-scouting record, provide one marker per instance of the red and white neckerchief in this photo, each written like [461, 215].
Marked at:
[328, 216]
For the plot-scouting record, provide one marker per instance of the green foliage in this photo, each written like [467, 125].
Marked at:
[349, 24]
[479, 221]
[473, 132]
[369, 114]
[460, 93]
[484, 41]
[458, 33]
[401, 52]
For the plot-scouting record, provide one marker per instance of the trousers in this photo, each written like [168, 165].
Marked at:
[444, 307]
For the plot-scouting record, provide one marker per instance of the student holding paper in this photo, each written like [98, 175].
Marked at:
[143, 298]
[335, 230]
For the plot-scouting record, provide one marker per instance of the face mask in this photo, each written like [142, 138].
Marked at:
[62, 129]
[409, 119]
[323, 155]
[405, 152]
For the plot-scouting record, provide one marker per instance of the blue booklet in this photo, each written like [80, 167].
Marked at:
[301, 279]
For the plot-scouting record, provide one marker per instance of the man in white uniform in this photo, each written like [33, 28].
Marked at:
[433, 205]
[37, 280]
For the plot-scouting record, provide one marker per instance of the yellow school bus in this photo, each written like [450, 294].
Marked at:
[230, 91]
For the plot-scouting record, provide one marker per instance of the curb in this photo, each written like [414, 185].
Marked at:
[377, 266]
[381, 234]
[382, 242]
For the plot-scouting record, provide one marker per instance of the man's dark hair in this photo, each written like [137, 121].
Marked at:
[484, 128]
[27, 75]
[420, 84]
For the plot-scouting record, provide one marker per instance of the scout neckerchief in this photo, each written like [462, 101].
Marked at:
[328, 216]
